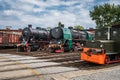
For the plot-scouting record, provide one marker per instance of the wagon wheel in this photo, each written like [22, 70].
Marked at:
[20, 49]
[107, 59]
[28, 49]
[117, 57]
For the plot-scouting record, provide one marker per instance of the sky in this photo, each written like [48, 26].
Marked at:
[47, 13]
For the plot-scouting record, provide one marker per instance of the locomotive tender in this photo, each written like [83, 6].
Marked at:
[66, 39]
[105, 48]
[33, 39]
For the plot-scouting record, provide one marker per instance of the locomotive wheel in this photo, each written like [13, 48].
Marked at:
[107, 59]
[75, 49]
[62, 49]
[117, 57]
[28, 49]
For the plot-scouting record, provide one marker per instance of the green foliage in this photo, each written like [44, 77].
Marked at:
[79, 27]
[105, 15]
[48, 28]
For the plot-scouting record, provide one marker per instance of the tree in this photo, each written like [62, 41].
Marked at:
[48, 28]
[79, 27]
[105, 15]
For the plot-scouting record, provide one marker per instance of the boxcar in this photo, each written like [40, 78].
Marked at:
[9, 38]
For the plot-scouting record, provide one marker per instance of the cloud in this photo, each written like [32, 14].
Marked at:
[65, 17]
[47, 13]
[116, 2]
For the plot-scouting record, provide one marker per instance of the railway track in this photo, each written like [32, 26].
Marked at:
[69, 57]
[42, 63]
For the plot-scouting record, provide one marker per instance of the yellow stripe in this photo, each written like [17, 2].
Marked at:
[24, 65]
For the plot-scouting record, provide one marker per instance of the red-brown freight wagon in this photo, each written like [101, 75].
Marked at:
[9, 37]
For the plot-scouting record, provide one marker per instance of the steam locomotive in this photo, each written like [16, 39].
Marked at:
[33, 39]
[105, 48]
[66, 39]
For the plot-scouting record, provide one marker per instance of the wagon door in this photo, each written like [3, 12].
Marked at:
[1, 35]
[5, 39]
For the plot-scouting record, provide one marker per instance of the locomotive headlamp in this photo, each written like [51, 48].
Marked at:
[101, 45]
[59, 42]
[50, 42]
[80, 49]
[49, 46]
[82, 44]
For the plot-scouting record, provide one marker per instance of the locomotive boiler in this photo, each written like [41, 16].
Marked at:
[105, 48]
[66, 39]
[33, 39]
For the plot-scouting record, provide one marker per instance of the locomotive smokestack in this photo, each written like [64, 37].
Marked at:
[62, 25]
[70, 27]
[29, 26]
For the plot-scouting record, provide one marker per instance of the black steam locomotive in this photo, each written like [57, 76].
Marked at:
[65, 39]
[33, 39]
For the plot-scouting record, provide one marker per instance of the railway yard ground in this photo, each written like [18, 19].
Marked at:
[41, 65]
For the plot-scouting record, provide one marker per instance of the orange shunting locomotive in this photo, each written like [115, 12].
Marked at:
[104, 49]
